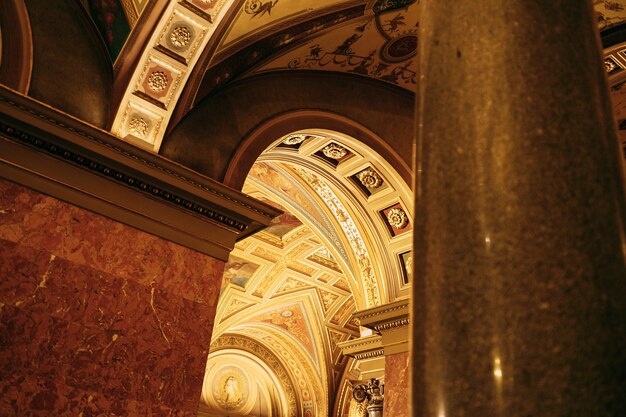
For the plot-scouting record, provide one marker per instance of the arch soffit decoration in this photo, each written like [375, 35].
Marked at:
[182, 45]
[332, 185]
[300, 380]
[221, 29]
[238, 306]
[265, 134]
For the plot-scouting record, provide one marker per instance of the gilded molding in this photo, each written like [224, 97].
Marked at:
[368, 355]
[117, 175]
[386, 310]
[361, 346]
[392, 325]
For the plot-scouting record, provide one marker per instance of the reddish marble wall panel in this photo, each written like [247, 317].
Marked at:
[97, 317]
[397, 385]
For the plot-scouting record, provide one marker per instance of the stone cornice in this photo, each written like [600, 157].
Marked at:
[47, 150]
[363, 347]
[386, 317]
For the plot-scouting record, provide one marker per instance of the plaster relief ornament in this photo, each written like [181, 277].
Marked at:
[397, 218]
[157, 81]
[230, 389]
[370, 178]
[609, 65]
[138, 127]
[294, 139]
[180, 36]
[334, 151]
[408, 263]
[232, 392]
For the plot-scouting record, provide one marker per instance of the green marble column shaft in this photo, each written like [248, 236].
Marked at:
[520, 284]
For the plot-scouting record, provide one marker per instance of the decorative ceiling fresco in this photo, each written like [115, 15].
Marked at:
[609, 13]
[216, 42]
[258, 18]
[382, 46]
[325, 38]
[293, 288]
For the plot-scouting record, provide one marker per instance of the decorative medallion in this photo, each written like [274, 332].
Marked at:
[294, 139]
[180, 36]
[230, 388]
[334, 151]
[609, 65]
[370, 178]
[157, 81]
[400, 49]
[138, 127]
[397, 218]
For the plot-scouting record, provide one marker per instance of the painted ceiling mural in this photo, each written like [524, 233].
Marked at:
[260, 17]
[373, 38]
[383, 47]
[609, 13]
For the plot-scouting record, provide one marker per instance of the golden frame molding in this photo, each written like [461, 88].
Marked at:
[391, 322]
[54, 153]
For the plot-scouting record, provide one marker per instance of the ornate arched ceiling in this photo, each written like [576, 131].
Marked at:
[290, 291]
[294, 287]
[200, 45]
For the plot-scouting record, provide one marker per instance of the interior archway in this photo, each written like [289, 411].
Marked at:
[342, 245]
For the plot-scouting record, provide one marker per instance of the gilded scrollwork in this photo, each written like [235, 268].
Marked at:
[372, 293]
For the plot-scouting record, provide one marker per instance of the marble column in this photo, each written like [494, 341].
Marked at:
[520, 286]
[397, 385]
